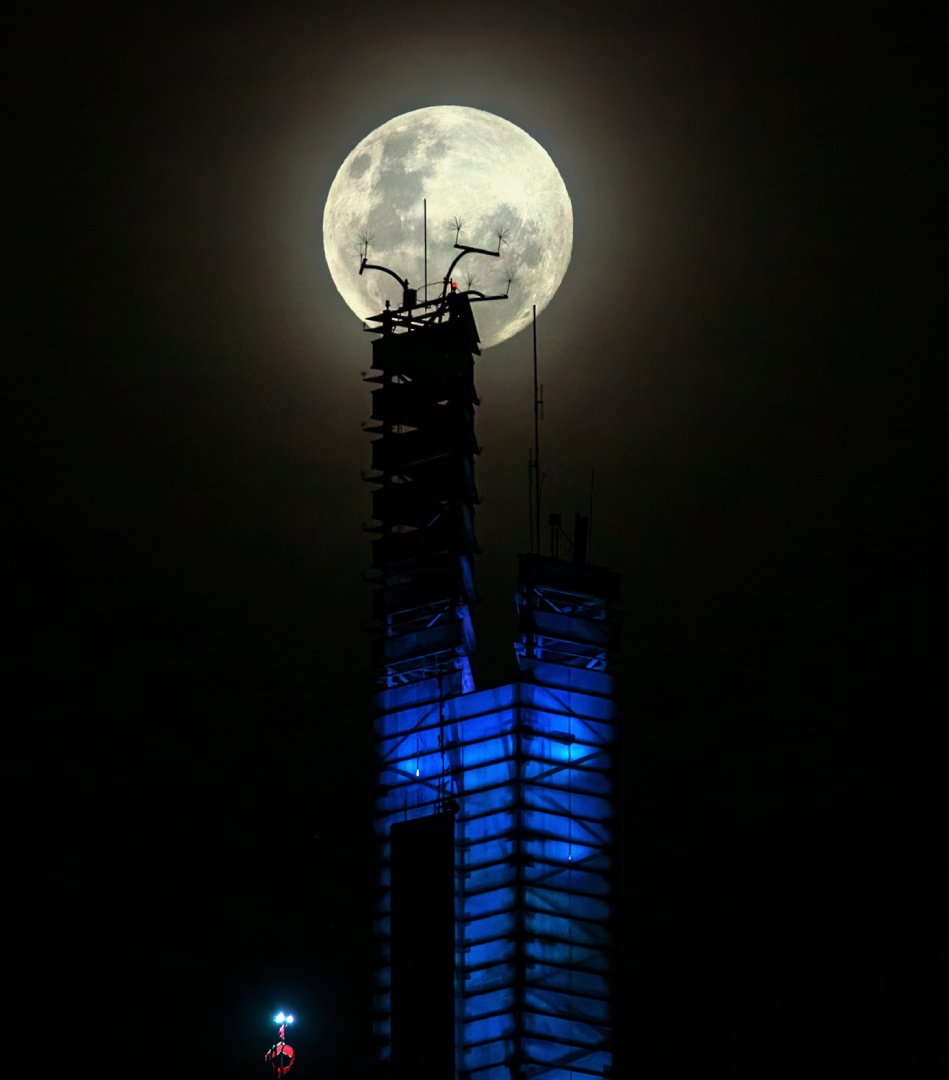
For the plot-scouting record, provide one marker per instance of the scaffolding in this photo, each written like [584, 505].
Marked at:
[423, 502]
[494, 808]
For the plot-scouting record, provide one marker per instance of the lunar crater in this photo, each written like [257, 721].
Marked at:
[474, 168]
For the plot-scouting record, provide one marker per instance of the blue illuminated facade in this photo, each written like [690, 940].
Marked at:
[520, 777]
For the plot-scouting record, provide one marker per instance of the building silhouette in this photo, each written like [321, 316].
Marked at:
[494, 808]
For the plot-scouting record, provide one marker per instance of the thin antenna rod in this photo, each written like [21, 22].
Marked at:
[425, 248]
[590, 519]
[530, 497]
[536, 442]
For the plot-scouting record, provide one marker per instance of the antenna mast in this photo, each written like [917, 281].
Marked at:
[537, 404]
[590, 517]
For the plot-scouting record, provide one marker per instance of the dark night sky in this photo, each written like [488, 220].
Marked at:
[745, 348]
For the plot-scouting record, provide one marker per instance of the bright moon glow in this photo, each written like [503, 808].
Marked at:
[471, 166]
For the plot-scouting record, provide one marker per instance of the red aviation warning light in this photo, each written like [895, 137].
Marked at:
[280, 1056]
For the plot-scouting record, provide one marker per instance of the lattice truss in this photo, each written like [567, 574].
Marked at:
[525, 768]
[422, 507]
[568, 630]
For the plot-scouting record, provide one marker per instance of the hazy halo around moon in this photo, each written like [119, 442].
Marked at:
[470, 165]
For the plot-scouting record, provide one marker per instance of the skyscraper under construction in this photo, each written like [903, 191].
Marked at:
[494, 807]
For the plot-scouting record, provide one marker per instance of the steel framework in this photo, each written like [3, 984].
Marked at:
[524, 771]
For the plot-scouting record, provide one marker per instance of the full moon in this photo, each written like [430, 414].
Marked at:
[488, 185]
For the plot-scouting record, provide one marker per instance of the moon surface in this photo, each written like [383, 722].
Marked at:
[473, 167]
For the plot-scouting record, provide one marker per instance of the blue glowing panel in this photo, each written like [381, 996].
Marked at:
[527, 771]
